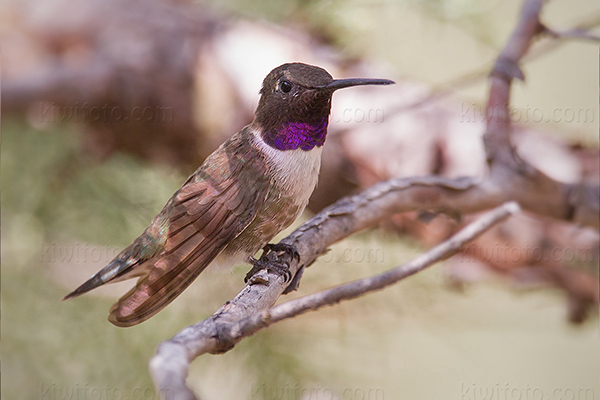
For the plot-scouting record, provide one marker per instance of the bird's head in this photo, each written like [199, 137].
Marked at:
[295, 103]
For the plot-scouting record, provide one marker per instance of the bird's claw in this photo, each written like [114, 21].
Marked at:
[278, 267]
[270, 260]
[281, 248]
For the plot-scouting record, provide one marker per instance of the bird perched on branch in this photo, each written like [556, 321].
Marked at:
[251, 188]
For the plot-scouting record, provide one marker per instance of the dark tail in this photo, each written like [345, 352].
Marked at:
[112, 271]
[90, 284]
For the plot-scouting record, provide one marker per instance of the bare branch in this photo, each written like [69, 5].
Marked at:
[360, 287]
[506, 68]
[243, 316]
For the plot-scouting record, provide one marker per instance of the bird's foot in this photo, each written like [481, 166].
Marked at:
[281, 248]
[280, 268]
[276, 258]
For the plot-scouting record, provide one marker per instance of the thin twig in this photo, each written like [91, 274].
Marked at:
[574, 34]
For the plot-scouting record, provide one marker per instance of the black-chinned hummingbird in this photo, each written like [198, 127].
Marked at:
[251, 188]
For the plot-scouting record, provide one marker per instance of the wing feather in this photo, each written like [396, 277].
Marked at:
[207, 213]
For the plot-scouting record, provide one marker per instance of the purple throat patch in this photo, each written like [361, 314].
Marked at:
[297, 135]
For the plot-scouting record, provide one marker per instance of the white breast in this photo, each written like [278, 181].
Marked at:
[298, 170]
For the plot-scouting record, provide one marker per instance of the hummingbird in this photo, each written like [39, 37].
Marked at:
[248, 190]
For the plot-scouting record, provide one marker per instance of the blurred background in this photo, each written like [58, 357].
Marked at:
[107, 106]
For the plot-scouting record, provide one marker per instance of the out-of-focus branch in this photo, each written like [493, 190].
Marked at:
[506, 68]
[580, 202]
[576, 34]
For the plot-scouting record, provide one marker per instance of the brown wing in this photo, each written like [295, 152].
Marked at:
[209, 211]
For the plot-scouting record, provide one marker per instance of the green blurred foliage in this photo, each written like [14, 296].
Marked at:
[71, 196]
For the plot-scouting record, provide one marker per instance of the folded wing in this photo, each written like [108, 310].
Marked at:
[207, 213]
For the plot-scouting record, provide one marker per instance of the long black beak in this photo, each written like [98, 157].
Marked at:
[343, 83]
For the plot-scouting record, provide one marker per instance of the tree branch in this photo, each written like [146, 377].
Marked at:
[360, 287]
[506, 68]
[534, 190]
[242, 316]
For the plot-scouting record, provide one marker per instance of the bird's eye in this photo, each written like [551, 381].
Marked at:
[285, 86]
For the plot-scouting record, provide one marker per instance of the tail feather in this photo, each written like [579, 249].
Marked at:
[115, 271]
[132, 262]
[90, 284]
